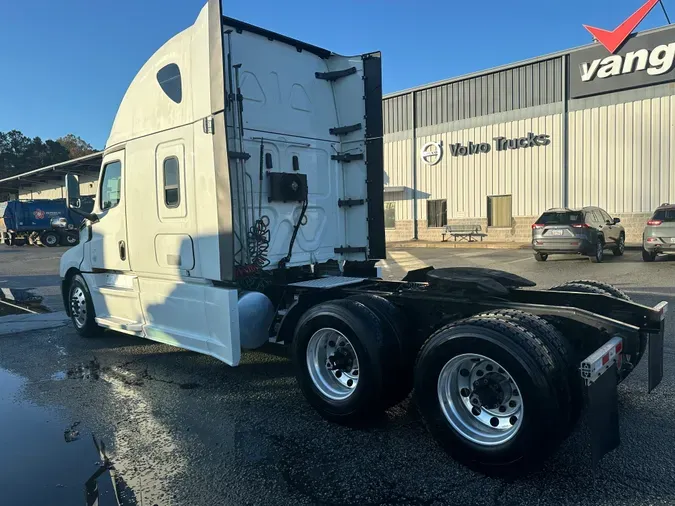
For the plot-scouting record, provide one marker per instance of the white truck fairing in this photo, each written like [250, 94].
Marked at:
[229, 134]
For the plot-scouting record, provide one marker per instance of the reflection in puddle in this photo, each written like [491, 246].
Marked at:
[36, 464]
[18, 301]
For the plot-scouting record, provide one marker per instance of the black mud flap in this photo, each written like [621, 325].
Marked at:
[656, 358]
[603, 414]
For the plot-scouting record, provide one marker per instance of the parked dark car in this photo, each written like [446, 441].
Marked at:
[588, 231]
[659, 233]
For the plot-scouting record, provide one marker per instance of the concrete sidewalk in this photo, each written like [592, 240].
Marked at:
[14, 324]
[473, 245]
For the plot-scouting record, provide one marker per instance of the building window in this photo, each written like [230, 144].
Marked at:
[499, 211]
[111, 185]
[389, 215]
[437, 213]
[171, 186]
[168, 78]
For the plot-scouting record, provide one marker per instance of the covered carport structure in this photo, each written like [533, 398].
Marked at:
[48, 182]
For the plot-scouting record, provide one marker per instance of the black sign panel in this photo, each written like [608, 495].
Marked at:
[643, 60]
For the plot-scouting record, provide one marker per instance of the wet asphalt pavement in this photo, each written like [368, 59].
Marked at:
[185, 429]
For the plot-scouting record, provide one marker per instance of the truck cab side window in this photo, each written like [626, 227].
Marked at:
[111, 185]
[171, 186]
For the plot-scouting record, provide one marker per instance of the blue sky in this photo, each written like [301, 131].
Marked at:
[64, 65]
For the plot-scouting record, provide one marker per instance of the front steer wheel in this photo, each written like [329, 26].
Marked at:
[346, 360]
[81, 307]
[489, 391]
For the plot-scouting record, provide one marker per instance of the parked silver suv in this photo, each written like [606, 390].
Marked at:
[588, 231]
[659, 234]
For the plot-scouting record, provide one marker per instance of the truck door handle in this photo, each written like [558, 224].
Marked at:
[123, 250]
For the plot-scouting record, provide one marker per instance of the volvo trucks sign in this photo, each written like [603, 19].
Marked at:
[432, 152]
[621, 61]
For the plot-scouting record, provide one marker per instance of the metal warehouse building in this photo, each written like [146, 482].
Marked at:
[496, 148]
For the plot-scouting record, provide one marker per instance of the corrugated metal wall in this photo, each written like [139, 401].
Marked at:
[396, 114]
[56, 189]
[621, 156]
[532, 175]
[398, 172]
[531, 85]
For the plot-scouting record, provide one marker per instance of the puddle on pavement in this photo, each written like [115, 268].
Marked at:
[45, 459]
[19, 301]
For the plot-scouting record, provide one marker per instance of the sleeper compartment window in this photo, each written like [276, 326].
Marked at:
[171, 182]
[169, 79]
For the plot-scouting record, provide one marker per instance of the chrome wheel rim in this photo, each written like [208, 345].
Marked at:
[50, 240]
[332, 364]
[480, 399]
[78, 307]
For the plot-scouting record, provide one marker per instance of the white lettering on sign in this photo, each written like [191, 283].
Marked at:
[656, 62]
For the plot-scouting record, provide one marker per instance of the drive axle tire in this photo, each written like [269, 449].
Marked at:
[592, 286]
[81, 308]
[579, 287]
[345, 359]
[569, 381]
[540, 257]
[605, 287]
[396, 324]
[489, 392]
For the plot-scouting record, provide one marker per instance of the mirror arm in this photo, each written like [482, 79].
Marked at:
[90, 216]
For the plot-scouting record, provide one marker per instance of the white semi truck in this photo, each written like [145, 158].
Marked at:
[240, 201]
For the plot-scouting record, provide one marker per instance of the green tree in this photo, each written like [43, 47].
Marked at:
[19, 153]
[75, 145]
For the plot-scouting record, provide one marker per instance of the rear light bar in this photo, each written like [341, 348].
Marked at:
[654, 223]
[581, 225]
[600, 361]
[537, 225]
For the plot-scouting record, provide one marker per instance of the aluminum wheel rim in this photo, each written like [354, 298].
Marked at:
[50, 240]
[71, 239]
[332, 364]
[622, 244]
[78, 307]
[481, 423]
[599, 250]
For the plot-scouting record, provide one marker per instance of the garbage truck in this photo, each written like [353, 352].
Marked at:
[47, 222]
[240, 202]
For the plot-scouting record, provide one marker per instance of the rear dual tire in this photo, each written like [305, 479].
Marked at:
[527, 361]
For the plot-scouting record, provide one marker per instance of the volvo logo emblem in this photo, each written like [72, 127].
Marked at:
[432, 152]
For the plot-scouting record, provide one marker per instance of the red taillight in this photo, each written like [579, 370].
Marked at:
[537, 225]
[581, 225]
[654, 223]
